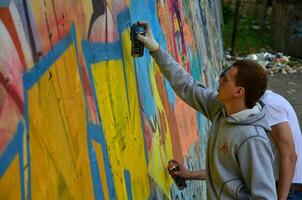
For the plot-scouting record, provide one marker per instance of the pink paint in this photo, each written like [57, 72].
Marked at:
[187, 125]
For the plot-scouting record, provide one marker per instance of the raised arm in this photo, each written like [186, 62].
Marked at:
[190, 90]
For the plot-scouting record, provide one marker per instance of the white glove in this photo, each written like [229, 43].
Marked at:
[148, 40]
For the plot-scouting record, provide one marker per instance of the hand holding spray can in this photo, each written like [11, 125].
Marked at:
[179, 181]
[137, 47]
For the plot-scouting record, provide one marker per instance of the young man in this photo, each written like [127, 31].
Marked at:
[287, 139]
[239, 155]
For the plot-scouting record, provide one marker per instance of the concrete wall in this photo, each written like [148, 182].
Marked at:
[80, 118]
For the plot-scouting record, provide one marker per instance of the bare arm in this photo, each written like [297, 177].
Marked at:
[189, 175]
[194, 175]
[282, 137]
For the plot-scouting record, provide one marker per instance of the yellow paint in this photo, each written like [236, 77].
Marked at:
[176, 25]
[10, 182]
[99, 155]
[58, 137]
[120, 114]
[160, 154]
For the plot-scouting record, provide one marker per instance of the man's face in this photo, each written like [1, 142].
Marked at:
[228, 90]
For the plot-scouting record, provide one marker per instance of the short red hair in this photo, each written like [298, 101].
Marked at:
[253, 78]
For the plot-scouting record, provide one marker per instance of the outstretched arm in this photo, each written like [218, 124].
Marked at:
[191, 91]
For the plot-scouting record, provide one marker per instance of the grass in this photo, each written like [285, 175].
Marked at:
[248, 39]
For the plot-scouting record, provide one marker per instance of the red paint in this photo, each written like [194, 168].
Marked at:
[12, 91]
[6, 18]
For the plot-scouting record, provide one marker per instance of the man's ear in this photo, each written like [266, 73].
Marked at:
[240, 92]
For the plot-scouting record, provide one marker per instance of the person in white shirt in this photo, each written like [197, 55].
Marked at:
[287, 145]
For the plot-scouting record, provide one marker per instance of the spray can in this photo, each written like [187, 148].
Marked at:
[179, 181]
[137, 47]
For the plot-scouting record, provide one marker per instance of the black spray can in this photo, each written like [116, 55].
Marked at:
[179, 181]
[137, 47]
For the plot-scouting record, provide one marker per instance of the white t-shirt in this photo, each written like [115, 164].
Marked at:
[278, 110]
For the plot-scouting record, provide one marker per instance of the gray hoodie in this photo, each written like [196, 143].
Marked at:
[239, 155]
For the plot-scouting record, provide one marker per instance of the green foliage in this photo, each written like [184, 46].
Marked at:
[227, 13]
[248, 39]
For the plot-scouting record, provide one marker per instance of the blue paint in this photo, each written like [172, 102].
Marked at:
[37, 71]
[9, 154]
[154, 23]
[170, 93]
[143, 65]
[196, 66]
[97, 185]
[145, 86]
[202, 14]
[97, 52]
[123, 20]
[96, 133]
[139, 8]
[145, 12]
[11, 150]
[203, 134]
[4, 3]
[128, 184]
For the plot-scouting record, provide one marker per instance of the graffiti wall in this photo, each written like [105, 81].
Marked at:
[80, 118]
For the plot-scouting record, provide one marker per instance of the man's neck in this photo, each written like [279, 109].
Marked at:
[234, 107]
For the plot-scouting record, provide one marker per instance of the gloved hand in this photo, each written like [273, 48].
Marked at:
[148, 40]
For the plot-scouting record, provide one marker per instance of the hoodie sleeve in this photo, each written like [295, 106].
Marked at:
[256, 163]
[191, 91]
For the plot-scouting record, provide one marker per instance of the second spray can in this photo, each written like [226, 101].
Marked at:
[179, 181]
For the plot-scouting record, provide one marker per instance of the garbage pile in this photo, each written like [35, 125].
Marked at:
[272, 62]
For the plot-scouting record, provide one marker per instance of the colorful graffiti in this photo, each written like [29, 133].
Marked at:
[80, 118]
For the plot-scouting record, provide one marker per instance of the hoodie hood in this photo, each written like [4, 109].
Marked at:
[254, 116]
